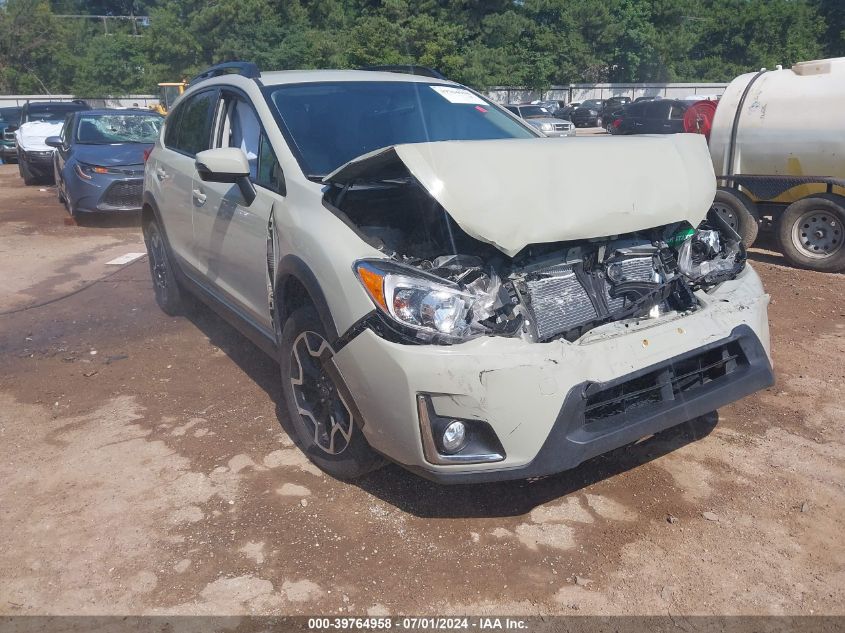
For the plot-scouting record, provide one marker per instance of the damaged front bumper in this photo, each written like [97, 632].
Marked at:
[39, 162]
[552, 405]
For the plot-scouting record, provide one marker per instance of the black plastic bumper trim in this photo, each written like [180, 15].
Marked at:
[570, 443]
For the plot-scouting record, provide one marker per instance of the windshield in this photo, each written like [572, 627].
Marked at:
[329, 124]
[529, 112]
[12, 116]
[591, 103]
[50, 114]
[105, 129]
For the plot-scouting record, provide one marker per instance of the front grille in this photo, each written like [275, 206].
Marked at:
[40, 157]
[126, 194]
[561, 127]
[559, 303]
[662, 385]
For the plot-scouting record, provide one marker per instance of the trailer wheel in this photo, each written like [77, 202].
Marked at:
[740, 212]
[811, 233]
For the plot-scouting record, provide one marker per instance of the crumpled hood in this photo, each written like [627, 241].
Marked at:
[515, 192]
[111, 155]
[30, 136]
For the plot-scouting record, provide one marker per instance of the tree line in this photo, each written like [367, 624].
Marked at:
[57, 47]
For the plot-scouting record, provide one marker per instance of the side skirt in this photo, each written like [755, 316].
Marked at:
[229, 313]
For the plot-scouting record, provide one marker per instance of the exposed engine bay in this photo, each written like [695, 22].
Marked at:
[441, 285]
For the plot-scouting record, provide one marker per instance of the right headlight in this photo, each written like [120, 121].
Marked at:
[429, 305]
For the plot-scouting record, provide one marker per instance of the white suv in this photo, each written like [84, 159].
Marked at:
[441, 285]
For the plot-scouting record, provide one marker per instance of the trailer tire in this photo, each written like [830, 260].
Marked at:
[740, 212]
[811, 233]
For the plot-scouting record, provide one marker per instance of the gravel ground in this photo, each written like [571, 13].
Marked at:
[146, 469]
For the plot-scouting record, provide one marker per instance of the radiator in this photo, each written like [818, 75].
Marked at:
[559, 303]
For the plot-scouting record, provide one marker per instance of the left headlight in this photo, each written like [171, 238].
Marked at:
[87, 171]
[429, 305]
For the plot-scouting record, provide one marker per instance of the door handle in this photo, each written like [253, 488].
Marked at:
[160, 173]
[199, 196]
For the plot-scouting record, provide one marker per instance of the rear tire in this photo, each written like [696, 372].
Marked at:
[811, 233]
[168, 294]
[740, 212]
[327, 426]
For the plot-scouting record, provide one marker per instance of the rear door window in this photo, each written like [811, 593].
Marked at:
[658, 110]
[678, 111]
[634, 110]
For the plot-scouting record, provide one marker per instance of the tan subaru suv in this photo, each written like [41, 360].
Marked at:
[442, 286]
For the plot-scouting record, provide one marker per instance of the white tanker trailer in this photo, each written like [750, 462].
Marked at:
[778, 148]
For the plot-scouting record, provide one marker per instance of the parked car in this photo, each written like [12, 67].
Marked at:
[551, 106]
[99, 159]
[10, 119]
[431, 294]
[615, 103]
[542, 119]
[565, 112]
[613, 107]
[665, 116]
[596, 112]
[588, 114]
[38, 121]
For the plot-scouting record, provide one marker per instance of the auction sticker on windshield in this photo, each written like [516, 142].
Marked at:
[458, 95]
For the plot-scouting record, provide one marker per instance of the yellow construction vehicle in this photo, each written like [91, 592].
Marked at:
[168, 93]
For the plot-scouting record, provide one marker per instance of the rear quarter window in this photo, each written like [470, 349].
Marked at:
[678, 111]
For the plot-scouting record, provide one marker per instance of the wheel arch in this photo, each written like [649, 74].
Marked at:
[149, 212]
[296, 285]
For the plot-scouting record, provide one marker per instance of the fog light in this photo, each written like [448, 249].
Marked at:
[454, 436]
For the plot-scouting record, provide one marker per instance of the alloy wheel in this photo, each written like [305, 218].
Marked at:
[318, 400]
[159, 261]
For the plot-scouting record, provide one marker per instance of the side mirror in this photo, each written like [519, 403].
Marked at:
[53, 141]
[226, 164]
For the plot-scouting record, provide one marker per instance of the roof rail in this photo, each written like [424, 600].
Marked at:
[245, 69]
[409, 69]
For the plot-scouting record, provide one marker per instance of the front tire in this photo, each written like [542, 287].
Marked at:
[168, 294]
[811, 233]
[326, 422]
[57, 177]
[26, 172]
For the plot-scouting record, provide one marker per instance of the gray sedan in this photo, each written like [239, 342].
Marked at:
[99, 159]
[543, 120]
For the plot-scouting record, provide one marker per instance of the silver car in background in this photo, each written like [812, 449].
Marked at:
[540, 118]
